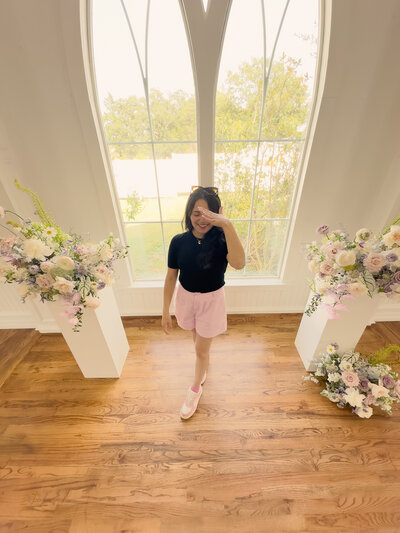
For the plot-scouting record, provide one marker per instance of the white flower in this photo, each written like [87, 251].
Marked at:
[64, 262]
[313, 265]
[363, 234]
[36, 249]
[49, 232]
[345, 258]
[92, 302]
[334, 397]
[353, 397]
[321, 286]
[393, 237]
[346, 366]
[364, 411]
[331, 348]
[105, 253]
[46, 266]
[334, 377]
[358, 288]
[2, 212]
[23, 289]
[63, 285]
[379, 391]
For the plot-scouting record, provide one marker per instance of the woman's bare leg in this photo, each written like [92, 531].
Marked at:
[202, 346]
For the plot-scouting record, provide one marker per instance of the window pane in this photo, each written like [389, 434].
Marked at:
[239, 92]
[290, 84]
[266, 247]
[234, 177]
[242, 229]
[276, 177]
[177, 172]
[146, 250]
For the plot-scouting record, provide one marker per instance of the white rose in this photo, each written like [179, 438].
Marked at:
[92, 302]
[334, 377]
[345, 258]
[393, 237]
[36, 249]
[358, 288]
[64, 262]
[63, 285]
[379, 391]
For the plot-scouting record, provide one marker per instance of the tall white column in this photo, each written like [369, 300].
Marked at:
[317, 331]
[100, 347]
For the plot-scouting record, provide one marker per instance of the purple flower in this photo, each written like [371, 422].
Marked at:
[387, 288]
[322, 229]
[390, 258]
[33, 269]
[101, 285]
[388, 381]
[396, 277]
[364, 384]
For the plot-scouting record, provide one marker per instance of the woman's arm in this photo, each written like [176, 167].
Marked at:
[169, 287]
[236, 255]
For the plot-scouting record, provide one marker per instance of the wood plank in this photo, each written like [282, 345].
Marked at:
[264, 452]
[15, 344]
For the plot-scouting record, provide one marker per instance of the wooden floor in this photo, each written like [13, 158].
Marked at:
[265, 453]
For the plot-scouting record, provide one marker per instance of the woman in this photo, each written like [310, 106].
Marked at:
[201, 255]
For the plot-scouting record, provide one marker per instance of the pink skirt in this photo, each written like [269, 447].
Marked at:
[203, 311]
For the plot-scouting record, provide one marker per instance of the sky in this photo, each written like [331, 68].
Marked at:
[169, 66]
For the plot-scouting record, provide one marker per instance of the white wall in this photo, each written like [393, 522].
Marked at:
[51, 139]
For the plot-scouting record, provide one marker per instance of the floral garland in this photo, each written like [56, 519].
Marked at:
[45, 261]
[346, 268]
[351, 380]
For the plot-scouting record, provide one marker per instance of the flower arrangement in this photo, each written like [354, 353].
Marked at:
[346, 268]
[45, 261]
[352, 380]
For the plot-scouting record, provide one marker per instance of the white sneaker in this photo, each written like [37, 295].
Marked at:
[190, 404]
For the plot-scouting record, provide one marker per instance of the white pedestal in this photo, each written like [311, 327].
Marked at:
[100, 347]
[317, 331]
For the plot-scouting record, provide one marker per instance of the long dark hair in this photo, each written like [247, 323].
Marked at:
[212, 199]
[215, 237]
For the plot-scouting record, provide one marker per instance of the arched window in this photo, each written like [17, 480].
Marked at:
[144, 53]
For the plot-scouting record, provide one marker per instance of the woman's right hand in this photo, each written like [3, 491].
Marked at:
[166, 323]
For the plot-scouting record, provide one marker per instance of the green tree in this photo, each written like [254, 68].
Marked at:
[238, 112]
[133, 206]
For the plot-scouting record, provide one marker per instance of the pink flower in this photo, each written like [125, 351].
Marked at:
[351, 379]
[327, 268]
[7, 243]
[333, 315]
[374, 262]
[45, 281]
[397, 388]
[322, 229]
[369, 399]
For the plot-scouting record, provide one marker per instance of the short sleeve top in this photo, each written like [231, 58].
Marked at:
[202, 262]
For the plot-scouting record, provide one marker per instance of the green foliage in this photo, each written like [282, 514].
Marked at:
[382, 354]
[238, 113]
[134, 205]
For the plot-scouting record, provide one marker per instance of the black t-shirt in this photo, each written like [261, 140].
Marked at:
[202, 266]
